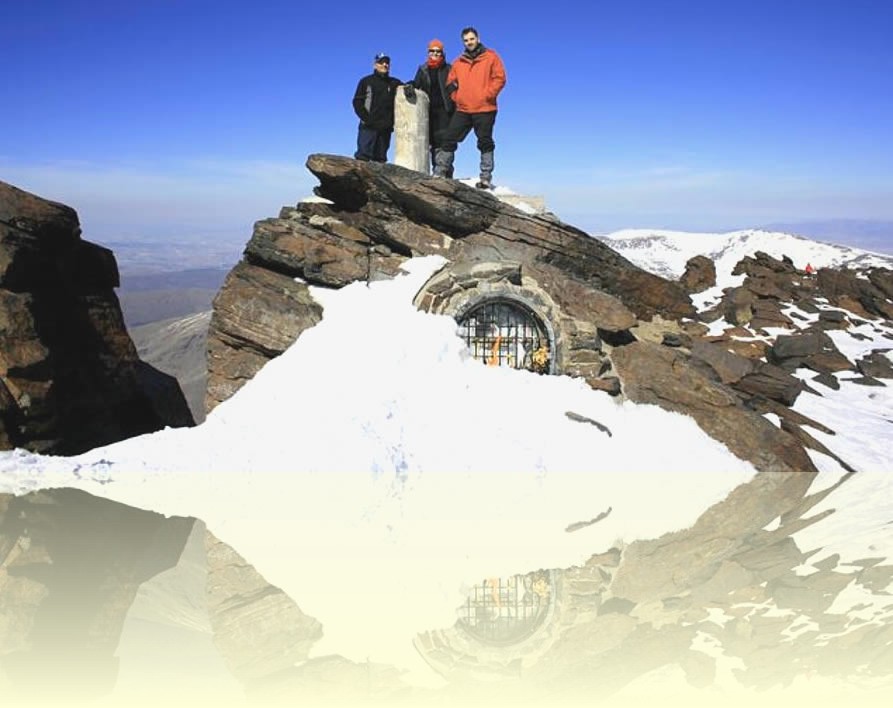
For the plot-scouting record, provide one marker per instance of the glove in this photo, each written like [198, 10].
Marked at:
[409, 92]
[451, 87]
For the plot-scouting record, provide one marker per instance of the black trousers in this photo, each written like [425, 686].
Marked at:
[372, 144]
[438, 123]
[462, 123]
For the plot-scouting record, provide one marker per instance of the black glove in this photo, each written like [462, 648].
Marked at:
[451, 87]
[409, 92]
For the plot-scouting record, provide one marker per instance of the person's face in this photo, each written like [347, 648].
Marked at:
[382, 67]
[470, 40]
[435, 53]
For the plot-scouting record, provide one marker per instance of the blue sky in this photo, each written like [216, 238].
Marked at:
[168, 118]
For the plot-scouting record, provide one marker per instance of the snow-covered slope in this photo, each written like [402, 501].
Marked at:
[666, 252]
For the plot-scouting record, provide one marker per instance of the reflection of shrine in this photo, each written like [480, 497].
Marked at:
[506, 610]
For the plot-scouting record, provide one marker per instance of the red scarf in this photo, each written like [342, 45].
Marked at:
[435, 61]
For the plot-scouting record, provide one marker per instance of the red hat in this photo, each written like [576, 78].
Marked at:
[435, 44]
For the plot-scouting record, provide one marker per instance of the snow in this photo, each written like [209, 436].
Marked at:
[666, 252]
[375, 444]
[374, 471]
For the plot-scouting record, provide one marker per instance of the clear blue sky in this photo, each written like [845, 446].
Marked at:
[167, 117]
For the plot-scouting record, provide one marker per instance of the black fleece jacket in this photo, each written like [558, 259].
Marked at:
[373, 101]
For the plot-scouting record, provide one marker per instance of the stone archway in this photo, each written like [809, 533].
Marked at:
[506, 319]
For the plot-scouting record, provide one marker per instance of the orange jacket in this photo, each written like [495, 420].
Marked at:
[480, 80]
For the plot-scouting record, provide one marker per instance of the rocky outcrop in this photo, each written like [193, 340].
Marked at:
[378, 216]
[699, 275]
[70, 377]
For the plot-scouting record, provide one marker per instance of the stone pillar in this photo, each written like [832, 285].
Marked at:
[411, 132]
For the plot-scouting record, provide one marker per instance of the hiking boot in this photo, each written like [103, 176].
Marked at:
[484, 183]
[443, 163]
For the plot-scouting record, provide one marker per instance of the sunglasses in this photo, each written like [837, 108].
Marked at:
[435, 51]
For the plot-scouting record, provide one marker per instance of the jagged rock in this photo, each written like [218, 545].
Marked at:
[257, 315]
[876, 365]
[767, 313]
[838, 285]
[828, 380]
[728, 366]
[882, 279]
[754, 349]
[772, 382]
[699, 275]
[381, 214]
[812, 349]
[659, 375]
[738, 306]
[71, 377]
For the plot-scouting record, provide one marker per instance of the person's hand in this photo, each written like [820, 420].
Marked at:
[409, 92]
[452, 86]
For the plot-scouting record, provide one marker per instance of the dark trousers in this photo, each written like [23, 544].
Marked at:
[372, 144]
[438, 123]
[462, 123]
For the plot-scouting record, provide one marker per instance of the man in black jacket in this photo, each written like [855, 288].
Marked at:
[373, 103]
[431, 78]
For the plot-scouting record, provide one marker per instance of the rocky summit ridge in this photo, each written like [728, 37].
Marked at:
[623, 329]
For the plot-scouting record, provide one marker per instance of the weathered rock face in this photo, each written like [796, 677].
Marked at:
[592, 304]
[70, 377]
[381, 215]
[700, 274]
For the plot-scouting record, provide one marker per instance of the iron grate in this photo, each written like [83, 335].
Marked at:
[506, 610]
[501, 333]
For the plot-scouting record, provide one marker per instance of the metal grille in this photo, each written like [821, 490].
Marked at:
[506, 610]
[501, 333]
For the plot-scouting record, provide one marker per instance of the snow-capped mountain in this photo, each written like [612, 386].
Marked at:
[665, 252]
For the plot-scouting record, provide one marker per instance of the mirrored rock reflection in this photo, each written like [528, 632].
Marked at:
[113, 605]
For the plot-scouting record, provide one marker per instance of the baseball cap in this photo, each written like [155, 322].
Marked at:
[382, 57]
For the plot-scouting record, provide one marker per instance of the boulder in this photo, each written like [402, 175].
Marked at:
[659, 375]
[699, 275]
[71, 376]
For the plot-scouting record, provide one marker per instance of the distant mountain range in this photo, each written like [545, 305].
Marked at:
[168, 313]
[665, 252]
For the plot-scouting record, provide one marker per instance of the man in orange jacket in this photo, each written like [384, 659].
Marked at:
[474, 82]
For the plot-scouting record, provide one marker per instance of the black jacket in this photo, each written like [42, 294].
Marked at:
[373, 101]
[422, 81]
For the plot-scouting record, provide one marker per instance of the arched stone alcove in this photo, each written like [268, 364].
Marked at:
[505, 317]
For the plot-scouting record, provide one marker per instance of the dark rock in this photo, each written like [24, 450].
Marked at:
[659, 375]
[771, 382]
[699, 275]
[882, 279]
[676, 339]
[258, 314]
[70, 372]
[832, 316]
[828, 380]
[843, 287]
[876, 365]
[730, 367]
[798, 345]
[738, 306]
[866, 381]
